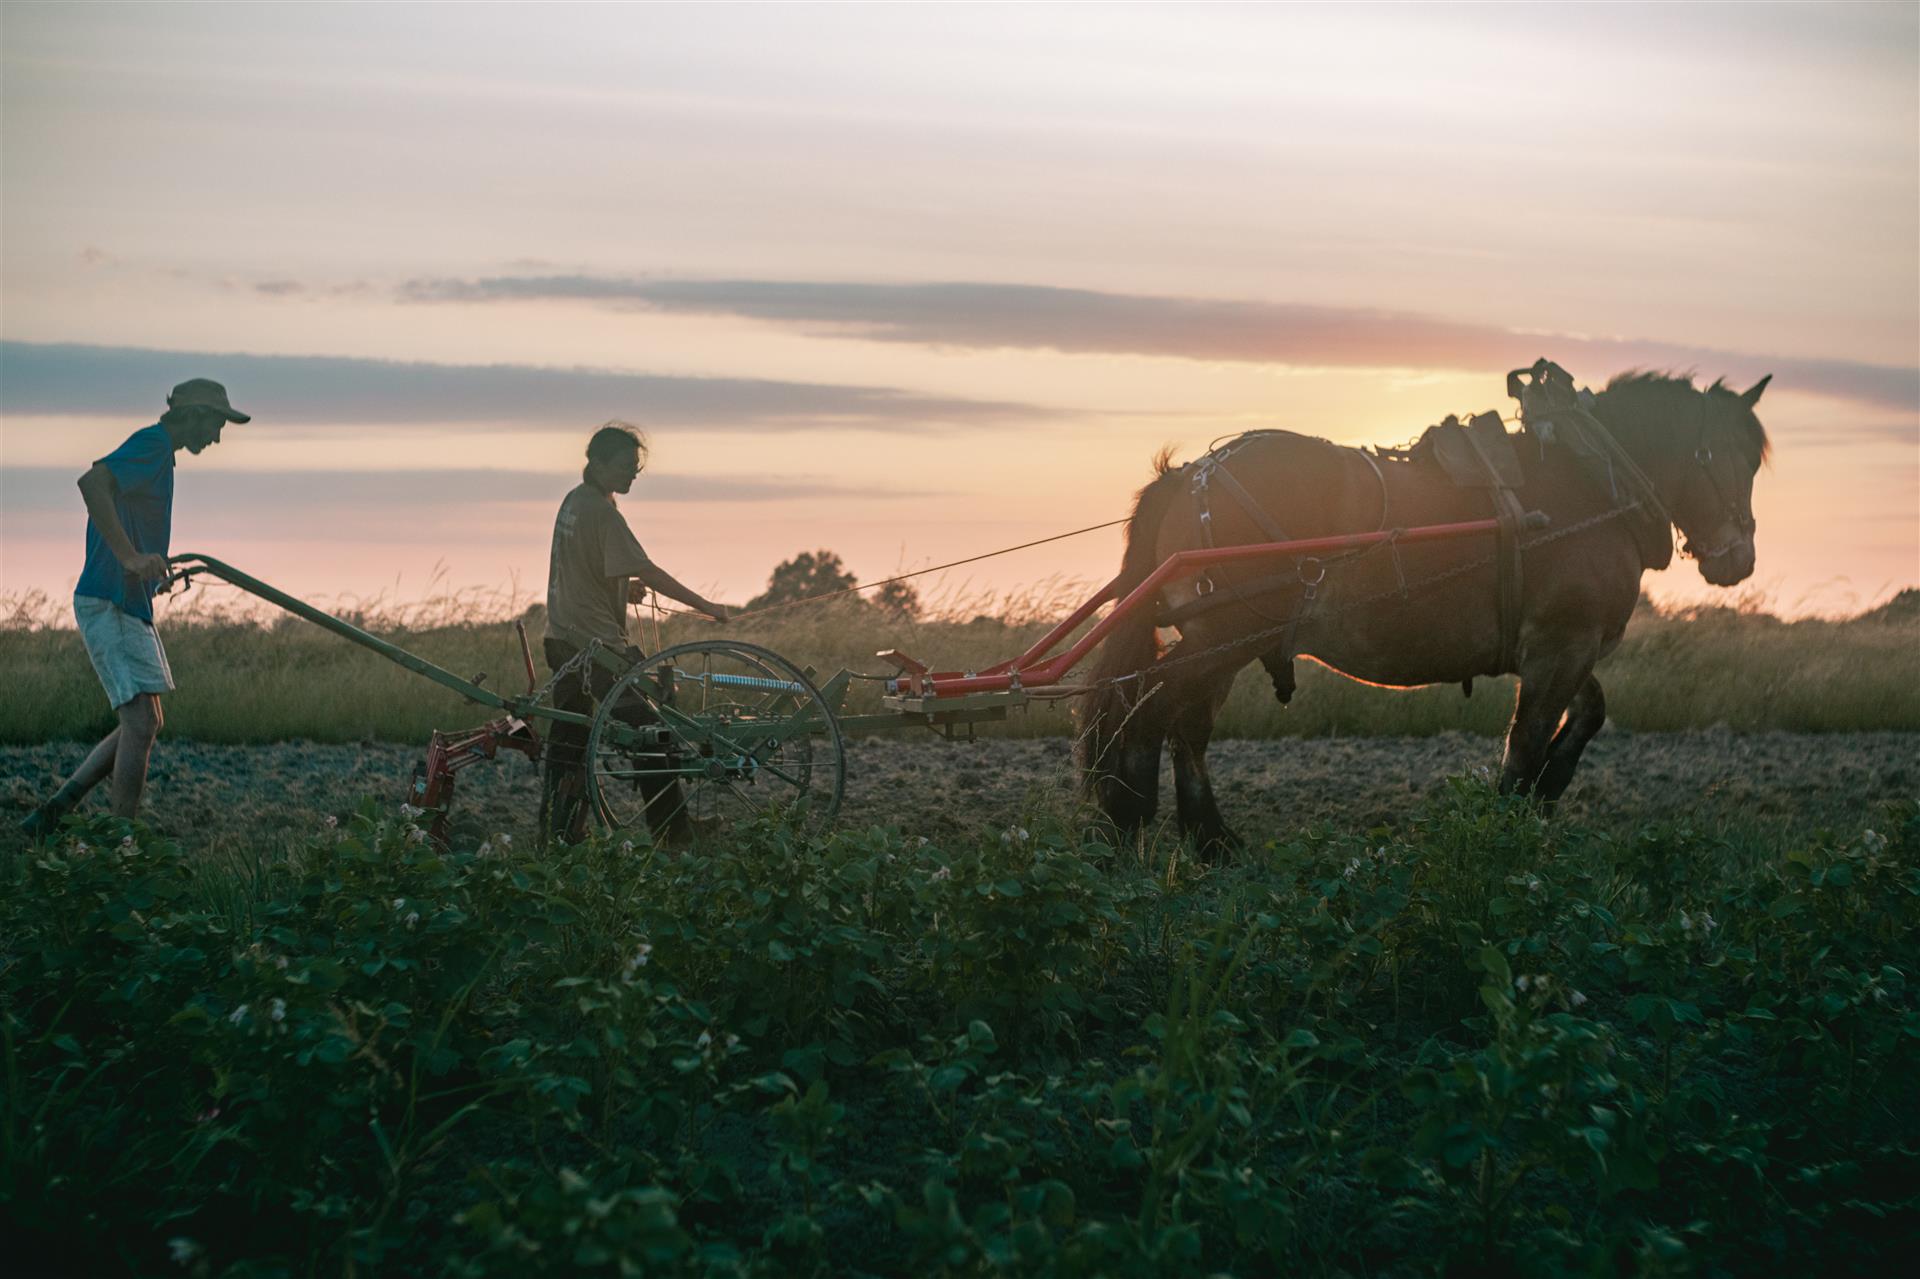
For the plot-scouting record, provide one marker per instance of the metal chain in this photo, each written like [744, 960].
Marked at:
[575, 663]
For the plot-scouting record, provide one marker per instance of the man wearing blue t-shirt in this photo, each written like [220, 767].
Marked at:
[129, 496]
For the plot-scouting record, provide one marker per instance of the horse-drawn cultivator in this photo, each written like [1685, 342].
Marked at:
[718, 730]
[737, 730]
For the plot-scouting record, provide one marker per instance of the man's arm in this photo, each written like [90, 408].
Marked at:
[98, 488]
[650, 574]
[623, 556]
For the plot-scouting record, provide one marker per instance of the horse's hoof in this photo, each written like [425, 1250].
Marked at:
[1219, 848]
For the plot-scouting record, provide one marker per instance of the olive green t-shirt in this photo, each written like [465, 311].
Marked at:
[594, 553]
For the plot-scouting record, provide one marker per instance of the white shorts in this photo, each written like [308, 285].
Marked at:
[126, 651]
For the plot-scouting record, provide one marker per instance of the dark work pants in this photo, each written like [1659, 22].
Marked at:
[563, 792]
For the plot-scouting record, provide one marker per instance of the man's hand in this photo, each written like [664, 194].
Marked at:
[718, 612]
[147, 567]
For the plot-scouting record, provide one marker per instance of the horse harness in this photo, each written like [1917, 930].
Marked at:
[1476, 454]
[1480, 454]
[1487, 463]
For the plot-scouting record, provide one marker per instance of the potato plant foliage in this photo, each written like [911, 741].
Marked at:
[1476, 1043]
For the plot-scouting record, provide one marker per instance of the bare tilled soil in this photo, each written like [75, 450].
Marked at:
[241, 798]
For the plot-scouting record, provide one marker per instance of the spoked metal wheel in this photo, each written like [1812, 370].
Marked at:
[702, 736]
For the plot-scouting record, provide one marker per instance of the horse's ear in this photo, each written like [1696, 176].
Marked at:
[1751, 396]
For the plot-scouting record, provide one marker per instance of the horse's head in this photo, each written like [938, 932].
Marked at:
[1713, 487]
[1700, 450]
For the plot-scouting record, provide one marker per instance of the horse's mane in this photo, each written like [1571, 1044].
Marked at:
[1638, 406]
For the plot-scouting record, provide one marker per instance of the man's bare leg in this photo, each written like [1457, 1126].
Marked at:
[93, 770]
[140, 721]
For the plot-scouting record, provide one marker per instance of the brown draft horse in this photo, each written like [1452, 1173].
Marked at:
[1419, 613]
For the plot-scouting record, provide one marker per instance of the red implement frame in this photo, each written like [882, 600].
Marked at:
[451, 753]
[1033, 669]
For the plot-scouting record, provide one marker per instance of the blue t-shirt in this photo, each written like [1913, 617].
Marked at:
[143, 468]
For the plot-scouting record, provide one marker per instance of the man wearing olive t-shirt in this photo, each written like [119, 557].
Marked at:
[597, 568]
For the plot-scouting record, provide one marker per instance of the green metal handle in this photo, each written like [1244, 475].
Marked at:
[191, 563]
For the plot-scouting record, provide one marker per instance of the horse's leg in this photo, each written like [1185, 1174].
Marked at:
[1191, 730]
[1585, 714]
[1126, 782]
[1548, 684]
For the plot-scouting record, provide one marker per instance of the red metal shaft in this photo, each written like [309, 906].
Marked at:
[1110, 591]
[1181, 564]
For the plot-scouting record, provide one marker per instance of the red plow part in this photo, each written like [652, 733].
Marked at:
[1033, 669]
[450, 753]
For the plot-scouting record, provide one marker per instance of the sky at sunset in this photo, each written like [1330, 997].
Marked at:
[912, 283]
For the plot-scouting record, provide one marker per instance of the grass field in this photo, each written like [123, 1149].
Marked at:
[245, 682]
[1477, 1043]
[1462, 1041]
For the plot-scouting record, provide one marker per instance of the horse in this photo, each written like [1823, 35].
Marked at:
[1415, 614]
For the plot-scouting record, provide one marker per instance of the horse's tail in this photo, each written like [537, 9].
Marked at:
[1103, 713]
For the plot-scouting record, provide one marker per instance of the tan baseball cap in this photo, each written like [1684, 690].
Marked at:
[205, 393]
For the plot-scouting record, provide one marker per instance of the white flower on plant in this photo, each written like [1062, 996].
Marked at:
[409, 812]
[1577, 999]
[238, 1015]
[1522, 982]
[280, 962]
[639, 960]
[126, 841]
[506, 841]
[331, 822]
[277, 1010]
[182, 1251]
[705, 1042]
[1707, 922]
[1872, 840]
[626, 846]
[416, 836]
[943, 873]
[1353, 868]
[485, 849]
[920, 842]
[1686, 922]
[733, 1042]
[413, 917]
[1014, 835]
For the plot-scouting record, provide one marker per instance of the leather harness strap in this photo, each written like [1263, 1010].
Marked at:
[1238, 492]
[1212, 469]
[1506, 509]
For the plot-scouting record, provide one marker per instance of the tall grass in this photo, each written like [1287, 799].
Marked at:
[243, 679]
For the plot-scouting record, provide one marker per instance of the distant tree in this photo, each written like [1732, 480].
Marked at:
[897, 599]
[806, 575]
[813, 573]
